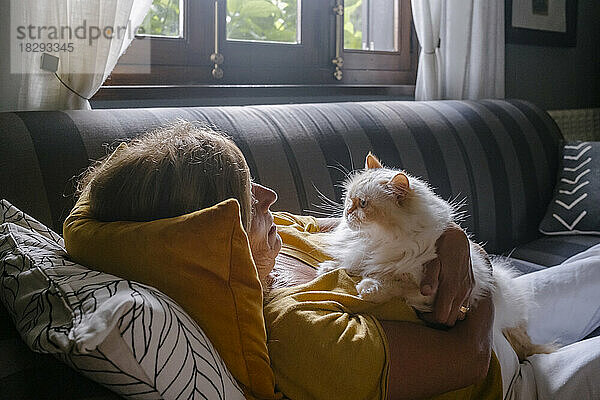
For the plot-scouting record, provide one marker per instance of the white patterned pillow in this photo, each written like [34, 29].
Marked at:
[575, 208]
[127, 336]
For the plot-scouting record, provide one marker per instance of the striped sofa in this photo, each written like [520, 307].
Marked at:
[500, 156]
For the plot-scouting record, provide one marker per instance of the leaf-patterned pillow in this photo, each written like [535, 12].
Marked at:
[575, 208]
[127, 336]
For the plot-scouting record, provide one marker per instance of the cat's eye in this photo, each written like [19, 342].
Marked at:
[362, 203]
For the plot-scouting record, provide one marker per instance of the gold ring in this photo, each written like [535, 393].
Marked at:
[464, 309]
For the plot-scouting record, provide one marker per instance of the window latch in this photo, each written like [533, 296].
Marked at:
[217, 58]
[338, 61]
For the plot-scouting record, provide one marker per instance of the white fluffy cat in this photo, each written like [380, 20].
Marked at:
[388, 231]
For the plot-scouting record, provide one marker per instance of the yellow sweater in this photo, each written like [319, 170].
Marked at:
[325, 342]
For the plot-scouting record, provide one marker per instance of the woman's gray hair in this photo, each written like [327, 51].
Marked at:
[172, 171]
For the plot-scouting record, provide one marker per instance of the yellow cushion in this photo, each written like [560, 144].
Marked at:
[202, 260]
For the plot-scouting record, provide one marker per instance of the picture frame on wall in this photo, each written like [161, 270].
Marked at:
[541, 22]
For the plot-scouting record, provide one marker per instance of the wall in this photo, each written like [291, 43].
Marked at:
[559, 77]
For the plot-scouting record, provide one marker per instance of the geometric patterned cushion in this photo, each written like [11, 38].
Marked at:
[127, 336]
[575, 208]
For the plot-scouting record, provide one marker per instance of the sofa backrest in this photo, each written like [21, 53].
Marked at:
[501, 156]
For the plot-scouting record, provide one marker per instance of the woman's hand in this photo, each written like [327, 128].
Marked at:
[450, 275]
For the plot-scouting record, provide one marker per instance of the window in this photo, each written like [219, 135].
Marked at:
[371, 25]
[267, 21]
[165, 19]
[272, 42]
[377, 42]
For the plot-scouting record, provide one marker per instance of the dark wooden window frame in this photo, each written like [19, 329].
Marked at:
[385, 67]
[184, 62]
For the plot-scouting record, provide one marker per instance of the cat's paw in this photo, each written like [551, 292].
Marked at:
[371, 290]
[327, 266]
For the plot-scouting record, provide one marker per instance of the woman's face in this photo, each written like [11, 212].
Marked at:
[265, 242]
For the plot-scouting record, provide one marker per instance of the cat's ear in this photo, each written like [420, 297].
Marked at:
[372, 162]
[399, 185]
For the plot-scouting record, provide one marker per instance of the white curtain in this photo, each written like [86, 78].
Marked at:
[88, 37]
[469, 64]
[427, 18]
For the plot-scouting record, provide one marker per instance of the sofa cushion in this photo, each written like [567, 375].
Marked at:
[501, 155]
[129, 337]
[575, 207]
[552, 250]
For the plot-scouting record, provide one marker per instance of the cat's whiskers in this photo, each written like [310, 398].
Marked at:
[328, 207]
[341, 168]
[320, 213]
[350, 157]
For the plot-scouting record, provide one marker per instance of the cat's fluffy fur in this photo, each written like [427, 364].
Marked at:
[390, 225]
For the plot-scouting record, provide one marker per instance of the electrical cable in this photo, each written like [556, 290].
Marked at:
[68, 87]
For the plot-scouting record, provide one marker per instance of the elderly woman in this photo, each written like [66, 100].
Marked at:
[184, 168]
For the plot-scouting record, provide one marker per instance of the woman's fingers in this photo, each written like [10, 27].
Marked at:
[455, 277]
[461, 300]
[442, 305]
[430, 281]
[455, 313]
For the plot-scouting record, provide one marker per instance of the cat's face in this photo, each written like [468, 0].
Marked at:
[375, 196]
[385, 201]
